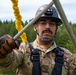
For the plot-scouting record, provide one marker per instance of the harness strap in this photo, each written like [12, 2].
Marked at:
[35, 59]
[58, 61]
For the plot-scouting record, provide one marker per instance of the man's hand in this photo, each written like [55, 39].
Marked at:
[7, 44]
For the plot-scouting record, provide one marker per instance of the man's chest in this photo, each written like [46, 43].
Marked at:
[46, 61]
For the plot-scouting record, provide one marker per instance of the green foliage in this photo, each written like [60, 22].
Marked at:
[12, 72]
[31, 35]
[63, 39]
[7, 28]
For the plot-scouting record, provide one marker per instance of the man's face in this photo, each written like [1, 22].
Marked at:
[45, 28]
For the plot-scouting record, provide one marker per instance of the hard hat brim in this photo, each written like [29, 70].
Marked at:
[57, 20]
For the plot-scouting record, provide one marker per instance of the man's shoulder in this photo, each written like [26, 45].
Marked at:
[67, 54]
[66, 50]
[24, 46]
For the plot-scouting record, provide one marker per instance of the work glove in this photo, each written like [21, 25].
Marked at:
[7, 44]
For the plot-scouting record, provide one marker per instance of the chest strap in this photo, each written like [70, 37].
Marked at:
[59, 60]
[35, 59]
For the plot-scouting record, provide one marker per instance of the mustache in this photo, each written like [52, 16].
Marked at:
[48, 30]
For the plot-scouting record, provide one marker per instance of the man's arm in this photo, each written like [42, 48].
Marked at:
[10, 55]
[72, 67]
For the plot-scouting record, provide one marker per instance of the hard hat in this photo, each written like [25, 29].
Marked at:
[51, 13]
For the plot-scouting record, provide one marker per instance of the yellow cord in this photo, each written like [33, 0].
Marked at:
[18, 19]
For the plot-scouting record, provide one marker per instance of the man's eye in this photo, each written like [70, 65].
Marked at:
[52, 23]
[43, 22]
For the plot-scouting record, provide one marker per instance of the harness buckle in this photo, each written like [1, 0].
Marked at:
[35, 58]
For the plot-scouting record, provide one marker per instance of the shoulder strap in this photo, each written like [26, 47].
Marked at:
[35, 59]
[59, 60]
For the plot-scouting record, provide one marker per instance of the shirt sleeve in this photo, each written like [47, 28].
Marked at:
[69, 62]
[72, 67]
[13, 59]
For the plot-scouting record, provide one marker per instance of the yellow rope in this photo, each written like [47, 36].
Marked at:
[18, 19]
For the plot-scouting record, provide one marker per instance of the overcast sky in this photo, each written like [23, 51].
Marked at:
[29, 7]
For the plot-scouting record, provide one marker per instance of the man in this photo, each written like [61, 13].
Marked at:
[41, 57]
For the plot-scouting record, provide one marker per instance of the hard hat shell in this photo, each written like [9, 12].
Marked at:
[51, 13]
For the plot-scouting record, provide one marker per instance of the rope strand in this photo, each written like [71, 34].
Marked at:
[18, 21]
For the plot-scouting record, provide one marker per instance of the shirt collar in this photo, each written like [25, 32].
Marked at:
[42, 48]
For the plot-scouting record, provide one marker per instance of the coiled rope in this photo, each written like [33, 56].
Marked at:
[18, 21]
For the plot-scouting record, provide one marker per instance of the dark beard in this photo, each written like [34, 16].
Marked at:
[47, 40]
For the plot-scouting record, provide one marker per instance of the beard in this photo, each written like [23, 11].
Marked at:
[46, 39]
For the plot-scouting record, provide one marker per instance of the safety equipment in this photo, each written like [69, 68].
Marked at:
[35, 59]
[51, 13]
[7, 44]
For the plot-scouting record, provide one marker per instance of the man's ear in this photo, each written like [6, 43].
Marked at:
[35, 27]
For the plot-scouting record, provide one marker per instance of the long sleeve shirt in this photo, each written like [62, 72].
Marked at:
[20, 60]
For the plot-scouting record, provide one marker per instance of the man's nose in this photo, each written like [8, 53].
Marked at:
[47, 25]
